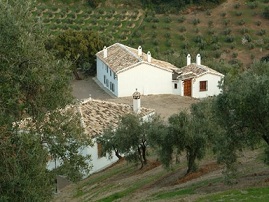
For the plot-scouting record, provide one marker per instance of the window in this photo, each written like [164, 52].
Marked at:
[175, 85]
[107, 82]
[104, 79]
[107, 69]
[112, 87]
[110, 72]
[99, 150]
[203, 85]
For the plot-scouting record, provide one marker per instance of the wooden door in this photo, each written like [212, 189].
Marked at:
[187, 87]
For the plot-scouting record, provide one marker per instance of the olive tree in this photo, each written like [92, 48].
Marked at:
[33, 129]
[241, 112]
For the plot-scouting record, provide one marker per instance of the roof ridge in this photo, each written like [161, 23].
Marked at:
[129, 51]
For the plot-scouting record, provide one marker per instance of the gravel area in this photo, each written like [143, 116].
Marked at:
[165, 105]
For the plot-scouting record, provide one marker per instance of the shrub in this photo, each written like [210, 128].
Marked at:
[148, 19]
[167, 19]
[244, 30]
[237, 5]
[234, 55]
[168, 43]
[195, 21]
[251, 46]
[238, 13]
[155, 42]
[217, 54]
[155, 20]
[258, 23]
[198, 39]
[261, 32]
[216, 46]
[266, 12]
[154, 26]
[241, 22]
[182, 29]
[227, 31]
[208, 12]
[252, 5]
[210, 23]
[167, 35]
[210, 32]
[223, 14]
[226, 22]
[181, 19]
[229, 39]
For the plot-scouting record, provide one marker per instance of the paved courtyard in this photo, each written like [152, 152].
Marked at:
[165, 105]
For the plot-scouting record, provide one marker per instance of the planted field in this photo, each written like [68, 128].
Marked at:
[234, 31]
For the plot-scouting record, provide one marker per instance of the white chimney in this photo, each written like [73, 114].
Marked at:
[136, 102]
[198, 59]
[188, 59]
[139, 51]
[149, 56]
[105, 52]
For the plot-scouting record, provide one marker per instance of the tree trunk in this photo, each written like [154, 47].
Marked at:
[140, 157]
[144, 154]
[76, 75]
[191, 160]
[118, 155]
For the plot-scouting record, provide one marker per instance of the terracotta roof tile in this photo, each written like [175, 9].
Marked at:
[194, 70]
[120, 57]
[97, 114]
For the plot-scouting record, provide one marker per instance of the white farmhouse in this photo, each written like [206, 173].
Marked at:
[96, 115]
[197, 80]
[122, 69]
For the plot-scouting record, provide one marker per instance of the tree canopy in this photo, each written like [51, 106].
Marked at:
[34, 85]
[130, 138]
[242, 112]
[79, 48]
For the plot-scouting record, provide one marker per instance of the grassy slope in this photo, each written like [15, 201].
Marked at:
[216, 34]
[125, 182]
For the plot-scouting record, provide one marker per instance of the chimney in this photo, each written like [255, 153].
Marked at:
[139, 51]
[136, 102]
[105, 52]
[149, 56]
[188, 59]
[198, 59]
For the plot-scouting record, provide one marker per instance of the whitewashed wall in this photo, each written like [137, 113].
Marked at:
[177, 91]
[146, 79]
[98, 163]
[212, 85]
[101, 72]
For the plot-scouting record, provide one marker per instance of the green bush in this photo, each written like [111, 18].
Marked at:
[229, 39]
[237, 5]
[195, 21]
[252, 5]
[238, 13]
[266, 12]
[261, 32]
[182, 29]
[181, 19]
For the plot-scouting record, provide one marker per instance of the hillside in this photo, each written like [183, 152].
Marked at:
[125, 182]
[235, 31]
